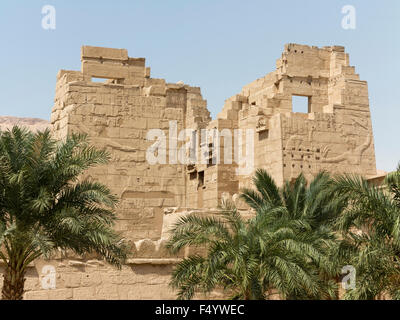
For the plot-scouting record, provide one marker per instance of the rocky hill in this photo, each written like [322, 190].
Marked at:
[34, 124]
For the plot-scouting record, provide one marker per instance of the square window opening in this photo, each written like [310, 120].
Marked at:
[301, 104]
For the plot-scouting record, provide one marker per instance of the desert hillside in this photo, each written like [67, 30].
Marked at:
[34, 124]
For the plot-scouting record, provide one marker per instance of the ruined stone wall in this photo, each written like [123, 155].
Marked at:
[335, 134]
[117, 115]
[146, 275]
[93, 279]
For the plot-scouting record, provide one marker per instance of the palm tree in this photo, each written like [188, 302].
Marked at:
[300, 219]
[285, 247]
[232, 261]
[44, 206]
[393, 183]
[370, 226]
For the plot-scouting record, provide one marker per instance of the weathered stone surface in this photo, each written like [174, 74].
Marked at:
[334, 134]
[101, 282]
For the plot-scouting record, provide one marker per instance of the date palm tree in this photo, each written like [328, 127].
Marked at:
[307, 212]
[370, 226]
[232, 260]
[392, 181]
[44, 206]
[287, 247]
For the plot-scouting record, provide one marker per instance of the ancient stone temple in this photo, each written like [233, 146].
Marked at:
[333, 133]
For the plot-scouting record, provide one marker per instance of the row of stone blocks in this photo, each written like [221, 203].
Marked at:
[142, 249]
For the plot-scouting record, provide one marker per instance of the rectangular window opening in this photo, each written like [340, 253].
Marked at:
[201, 178]
[301, 104]
[107, 80]
[99, 80]
[263, 135]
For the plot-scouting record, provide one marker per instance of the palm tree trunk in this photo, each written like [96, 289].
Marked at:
[247, 295]
[13, 284]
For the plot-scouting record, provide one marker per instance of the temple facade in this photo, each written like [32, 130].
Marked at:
[169, 158]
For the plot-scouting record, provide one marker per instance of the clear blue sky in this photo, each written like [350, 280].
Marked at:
[217, 45]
